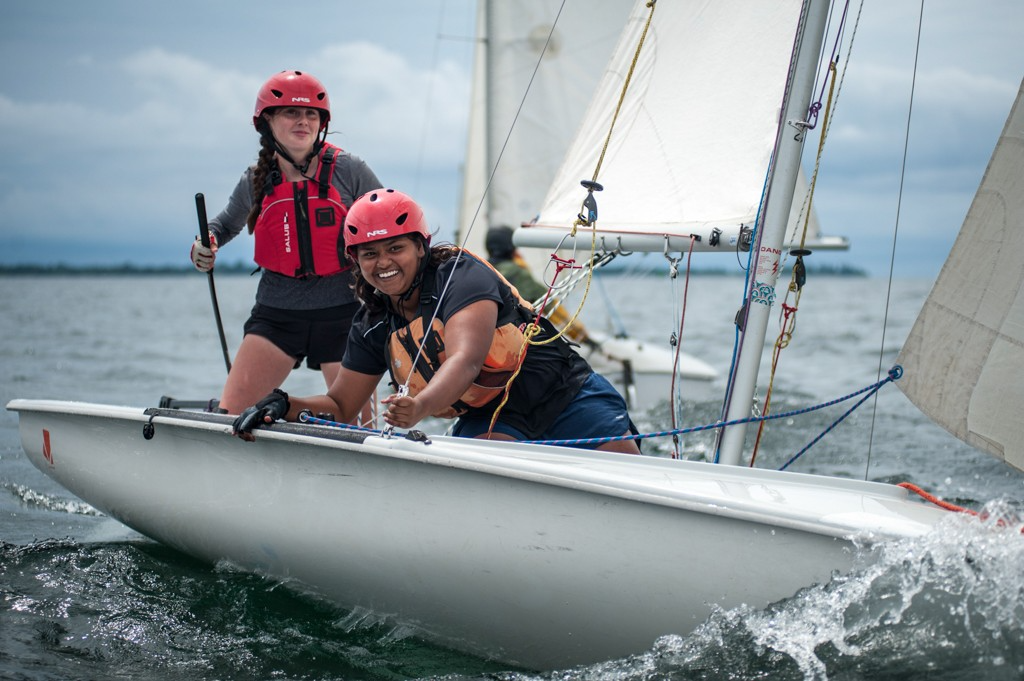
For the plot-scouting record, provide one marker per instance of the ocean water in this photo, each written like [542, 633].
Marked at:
[82, 596]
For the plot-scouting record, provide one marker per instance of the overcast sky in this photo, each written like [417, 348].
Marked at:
[114, 113]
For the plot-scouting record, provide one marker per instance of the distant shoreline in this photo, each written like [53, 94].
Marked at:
[240, 268]
[62, 269]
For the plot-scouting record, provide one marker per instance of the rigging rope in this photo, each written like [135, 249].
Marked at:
[677, 341]
[806, 212]
[404, 388]
[896, 227]
[586, 217]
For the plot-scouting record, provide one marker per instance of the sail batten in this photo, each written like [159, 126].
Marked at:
[964, 357]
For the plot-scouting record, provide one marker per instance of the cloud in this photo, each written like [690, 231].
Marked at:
[395, 106]
[119, 112]
[186, 103]
[161, 125]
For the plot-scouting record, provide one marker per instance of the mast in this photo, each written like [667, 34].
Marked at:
[766, 262]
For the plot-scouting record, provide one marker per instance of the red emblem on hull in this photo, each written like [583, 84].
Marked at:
[47, 454]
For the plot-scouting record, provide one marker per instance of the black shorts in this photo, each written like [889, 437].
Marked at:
[318, 336]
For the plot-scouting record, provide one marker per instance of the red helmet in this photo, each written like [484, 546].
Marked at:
[293, 88]
[383, 214]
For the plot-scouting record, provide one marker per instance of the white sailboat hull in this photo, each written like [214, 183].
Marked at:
[537, 556]
[642, 372]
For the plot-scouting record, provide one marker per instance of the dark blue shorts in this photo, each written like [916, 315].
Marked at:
[598, 410]
[318, 336]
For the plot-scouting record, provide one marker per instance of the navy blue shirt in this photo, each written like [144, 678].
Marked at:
[551, 374]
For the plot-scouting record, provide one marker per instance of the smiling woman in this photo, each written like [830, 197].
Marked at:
[453, 335]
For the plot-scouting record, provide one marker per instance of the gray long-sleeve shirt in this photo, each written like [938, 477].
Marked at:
[352, 178]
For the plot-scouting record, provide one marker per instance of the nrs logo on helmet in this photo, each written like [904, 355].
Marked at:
[399, 214]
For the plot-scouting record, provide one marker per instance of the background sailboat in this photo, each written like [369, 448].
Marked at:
[524, 111]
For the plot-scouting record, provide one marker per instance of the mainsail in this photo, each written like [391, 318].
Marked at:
[693, 138]
[964, 358]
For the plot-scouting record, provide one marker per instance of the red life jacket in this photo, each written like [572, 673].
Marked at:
[298, 232]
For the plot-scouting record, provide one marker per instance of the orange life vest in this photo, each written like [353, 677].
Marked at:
[503, 357]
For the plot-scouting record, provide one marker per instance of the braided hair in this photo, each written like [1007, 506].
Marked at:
[266, 175]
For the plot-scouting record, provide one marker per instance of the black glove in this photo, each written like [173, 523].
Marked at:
[275, 406]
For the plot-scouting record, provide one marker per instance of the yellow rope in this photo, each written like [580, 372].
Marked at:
[625, 87]
[597, 170]
[532, 329]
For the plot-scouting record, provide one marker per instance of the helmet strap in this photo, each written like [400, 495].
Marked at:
[304, 168]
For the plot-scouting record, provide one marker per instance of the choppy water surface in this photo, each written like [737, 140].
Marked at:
[82, 596]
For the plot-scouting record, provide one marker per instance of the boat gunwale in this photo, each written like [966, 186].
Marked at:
[788, 497]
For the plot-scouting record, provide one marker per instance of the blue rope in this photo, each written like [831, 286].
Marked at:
[894, 374]
[306, 418]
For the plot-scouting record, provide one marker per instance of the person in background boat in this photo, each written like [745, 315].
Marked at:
[502, 253]
[474, 346]
[293, 201]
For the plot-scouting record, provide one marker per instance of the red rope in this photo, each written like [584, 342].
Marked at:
[946, 505]
[676, 453]
[934, 499]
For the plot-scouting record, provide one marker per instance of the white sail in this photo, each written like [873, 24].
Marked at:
[813, 237]
[694, 157]
[964, 358]
[524, 112]
[511, 36]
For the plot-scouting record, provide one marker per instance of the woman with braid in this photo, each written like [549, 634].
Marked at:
[294, 202]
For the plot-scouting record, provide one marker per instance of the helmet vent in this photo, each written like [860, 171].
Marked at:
[277, 93]
[400, 220]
